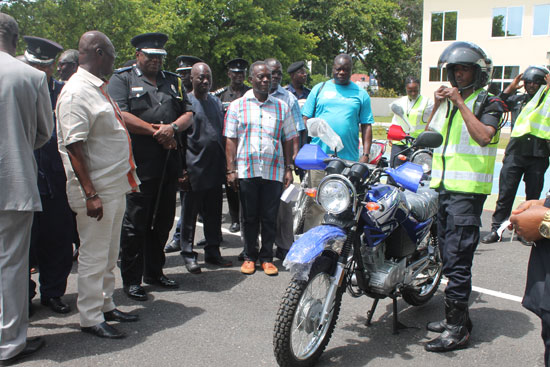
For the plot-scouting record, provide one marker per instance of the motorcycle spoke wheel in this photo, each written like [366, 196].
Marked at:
[425, 284]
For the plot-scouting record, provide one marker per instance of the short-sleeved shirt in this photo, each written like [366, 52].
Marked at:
[205, 154]
[261, 129]
[305, 92]
[86, 114]
[344, 108]
[292, 103]
[160, 104]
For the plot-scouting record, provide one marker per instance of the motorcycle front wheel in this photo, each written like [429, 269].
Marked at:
[299, 337]
[299, 212]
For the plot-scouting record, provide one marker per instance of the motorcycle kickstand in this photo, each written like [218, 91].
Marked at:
[370, 313]
[396, 324]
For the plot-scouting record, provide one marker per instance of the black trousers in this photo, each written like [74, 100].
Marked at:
[260, 204]
[233, 203]
[51, 250]
[458, 223]
[142, 248]
[514, 167]
[209, 204]
[546, 340]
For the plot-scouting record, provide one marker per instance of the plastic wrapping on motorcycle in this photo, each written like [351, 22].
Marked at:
[407, 175]
[311, 156]
[302, 253]
[423, 204]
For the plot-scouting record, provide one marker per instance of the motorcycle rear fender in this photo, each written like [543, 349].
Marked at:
[309, 246]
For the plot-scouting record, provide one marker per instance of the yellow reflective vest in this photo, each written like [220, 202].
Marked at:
[460, 164]
[534, 118]
[414, 117]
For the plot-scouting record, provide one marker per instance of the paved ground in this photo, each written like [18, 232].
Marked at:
[224, 318]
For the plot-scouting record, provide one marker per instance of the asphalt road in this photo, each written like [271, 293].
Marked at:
[224, 318]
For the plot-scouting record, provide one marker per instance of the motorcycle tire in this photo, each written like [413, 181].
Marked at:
[300, 211]
[415, 296]
[298, 318]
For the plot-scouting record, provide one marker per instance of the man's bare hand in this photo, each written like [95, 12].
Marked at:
[164, 133]
[527, 222]
[288, 178]
[233, 181]
[171, 144]
[453, 94]
[94, 208]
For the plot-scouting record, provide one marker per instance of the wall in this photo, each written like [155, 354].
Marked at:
[381, 106]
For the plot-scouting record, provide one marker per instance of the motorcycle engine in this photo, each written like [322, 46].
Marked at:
[383, 275]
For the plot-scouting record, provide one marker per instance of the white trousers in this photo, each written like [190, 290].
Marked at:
[15, 237]
[98, 254]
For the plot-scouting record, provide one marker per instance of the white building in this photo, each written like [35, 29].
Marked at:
[514, 33]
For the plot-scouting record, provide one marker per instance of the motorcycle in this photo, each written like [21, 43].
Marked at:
[376, 239]
[415, 153]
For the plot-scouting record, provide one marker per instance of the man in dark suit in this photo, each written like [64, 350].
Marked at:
[26, 124]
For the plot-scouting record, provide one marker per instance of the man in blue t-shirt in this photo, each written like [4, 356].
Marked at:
[344, 106]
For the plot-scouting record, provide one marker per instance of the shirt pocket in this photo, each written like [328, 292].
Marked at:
[139, 100]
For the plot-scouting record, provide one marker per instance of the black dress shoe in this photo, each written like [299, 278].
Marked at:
[491, 238]
[103, 330]
[202, 242]
[33, 345]
[172, 246]
[218, 261]
[235, 227]
[241, 256]
[117, 315]
[191, 265]
[163, 281]
[135, 292]
[56, 304]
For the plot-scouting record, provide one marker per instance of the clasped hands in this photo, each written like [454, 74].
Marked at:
[526, 219]
[165, 136]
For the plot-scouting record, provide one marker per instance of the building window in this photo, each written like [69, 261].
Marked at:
[541, 16]
[507, 22]
[502, 77]
[438, 75]
[444, 26]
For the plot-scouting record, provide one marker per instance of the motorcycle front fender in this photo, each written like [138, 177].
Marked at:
[308, 247]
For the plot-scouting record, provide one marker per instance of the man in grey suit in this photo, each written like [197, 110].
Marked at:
[26, 122]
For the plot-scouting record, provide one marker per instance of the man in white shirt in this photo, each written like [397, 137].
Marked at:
[97, 157]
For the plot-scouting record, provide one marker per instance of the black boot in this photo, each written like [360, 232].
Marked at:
[439, 326]
[455, 334]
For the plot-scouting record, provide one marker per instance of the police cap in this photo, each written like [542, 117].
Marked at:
[150, 43]
[41, 50]
[186, 62]
[295, 66]
[237, 64]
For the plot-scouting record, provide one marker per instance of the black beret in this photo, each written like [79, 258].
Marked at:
[150, 43]
[41, 50]
[295, 66]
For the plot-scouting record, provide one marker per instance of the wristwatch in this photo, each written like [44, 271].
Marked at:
[544, 228]
[289, 167]
[175, 127]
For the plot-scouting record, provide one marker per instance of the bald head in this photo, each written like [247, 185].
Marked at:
[201, 78]
[96, 53]
[9, 33]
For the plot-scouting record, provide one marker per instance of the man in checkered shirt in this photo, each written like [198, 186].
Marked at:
[259, 130]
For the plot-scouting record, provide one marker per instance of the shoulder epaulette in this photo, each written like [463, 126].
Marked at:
[218, 92]
[171, 73]
[122, 70]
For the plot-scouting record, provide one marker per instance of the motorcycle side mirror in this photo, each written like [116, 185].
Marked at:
[396, 132]
[429, 139]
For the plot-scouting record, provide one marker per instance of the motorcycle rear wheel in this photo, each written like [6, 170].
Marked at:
[299, 339]
[420, 295]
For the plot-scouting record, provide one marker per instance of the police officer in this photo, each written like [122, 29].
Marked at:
[155, 112]
[526, 155]
[416, 110]
[236, 73]
[462, 171]
[67, 64]
[298, 78]
[53, 229]
[185, 64]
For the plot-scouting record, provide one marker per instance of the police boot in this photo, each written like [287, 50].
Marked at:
[439, 326]
[455, 334]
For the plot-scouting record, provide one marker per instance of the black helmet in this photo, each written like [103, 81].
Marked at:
[467, 53]
[535, 73]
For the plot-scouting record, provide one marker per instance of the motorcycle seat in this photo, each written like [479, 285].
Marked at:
[423, 204]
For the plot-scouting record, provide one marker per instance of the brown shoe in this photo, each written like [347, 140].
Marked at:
[270, 269]
[248, 267]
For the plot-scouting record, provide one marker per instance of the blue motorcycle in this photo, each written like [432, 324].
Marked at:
[376, 239]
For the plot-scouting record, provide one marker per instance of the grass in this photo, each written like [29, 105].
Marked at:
[379, 131]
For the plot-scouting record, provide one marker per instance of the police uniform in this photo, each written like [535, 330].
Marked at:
[228, 95]
[525, 156]
[294, 67]
[185, 64]
[142, 241]
[54, 229]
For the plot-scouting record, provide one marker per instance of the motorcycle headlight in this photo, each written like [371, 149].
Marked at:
[334, 196]
[425, 160]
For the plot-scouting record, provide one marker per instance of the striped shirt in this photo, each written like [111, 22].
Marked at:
[261, 129]
[293, 104]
